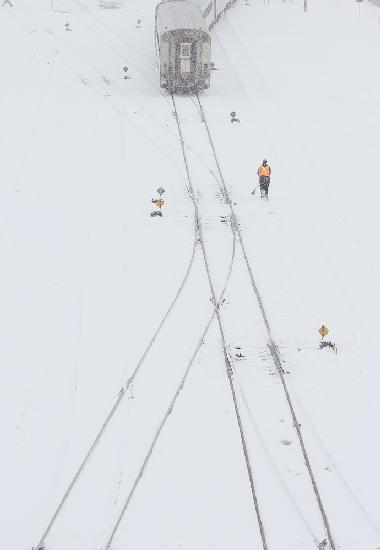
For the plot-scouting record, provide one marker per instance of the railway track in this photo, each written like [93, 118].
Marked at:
[216, 309]
[121, 397]
[200, 223]
[116, 405]
[211, 227]
[197, 195]
[65, 55]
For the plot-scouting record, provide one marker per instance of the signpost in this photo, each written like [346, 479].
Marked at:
[359, 2]
[158, 202]
[323, 331]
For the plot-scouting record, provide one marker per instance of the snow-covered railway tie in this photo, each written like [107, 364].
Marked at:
[291, 490]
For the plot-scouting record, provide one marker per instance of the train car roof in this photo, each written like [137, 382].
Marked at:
[179, 14]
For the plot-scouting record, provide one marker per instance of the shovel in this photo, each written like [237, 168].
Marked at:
[254, 191]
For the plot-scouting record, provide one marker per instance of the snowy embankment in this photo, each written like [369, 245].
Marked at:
[87, 276]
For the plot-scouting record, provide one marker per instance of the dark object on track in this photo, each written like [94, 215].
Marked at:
[233, 117]
[183, 44]
[328, 344]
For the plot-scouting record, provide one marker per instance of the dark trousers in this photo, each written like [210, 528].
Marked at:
[264, 184]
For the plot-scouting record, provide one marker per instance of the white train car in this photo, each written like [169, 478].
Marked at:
[183, 44]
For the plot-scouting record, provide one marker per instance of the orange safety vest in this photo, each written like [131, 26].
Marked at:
[264, 170]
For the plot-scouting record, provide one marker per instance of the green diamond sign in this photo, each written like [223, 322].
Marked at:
[160, 191]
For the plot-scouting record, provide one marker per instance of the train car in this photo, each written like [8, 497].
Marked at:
[183, 44]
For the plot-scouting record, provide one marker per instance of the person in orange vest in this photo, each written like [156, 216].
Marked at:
[264, 173]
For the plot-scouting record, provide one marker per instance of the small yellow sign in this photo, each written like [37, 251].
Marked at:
[323, 331]
[158, 202]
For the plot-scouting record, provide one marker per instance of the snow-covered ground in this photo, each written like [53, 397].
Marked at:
[87, 276]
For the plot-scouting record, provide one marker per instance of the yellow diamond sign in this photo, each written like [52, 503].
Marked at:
[158, 202]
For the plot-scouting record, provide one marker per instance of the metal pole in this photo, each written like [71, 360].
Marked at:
[359, 2]
[214, 11]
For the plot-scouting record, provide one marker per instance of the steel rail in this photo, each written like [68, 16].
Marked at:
[271, 343]
[275, 469]
[247, 459]
[116, 405]
[172, 404]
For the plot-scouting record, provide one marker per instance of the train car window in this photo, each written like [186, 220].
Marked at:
[185, 50]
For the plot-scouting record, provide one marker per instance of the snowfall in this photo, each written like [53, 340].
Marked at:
[106, 310]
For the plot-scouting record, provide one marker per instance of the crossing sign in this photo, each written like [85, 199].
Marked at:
[160, 191]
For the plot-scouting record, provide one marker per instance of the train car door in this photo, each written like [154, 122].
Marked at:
[185, 59]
